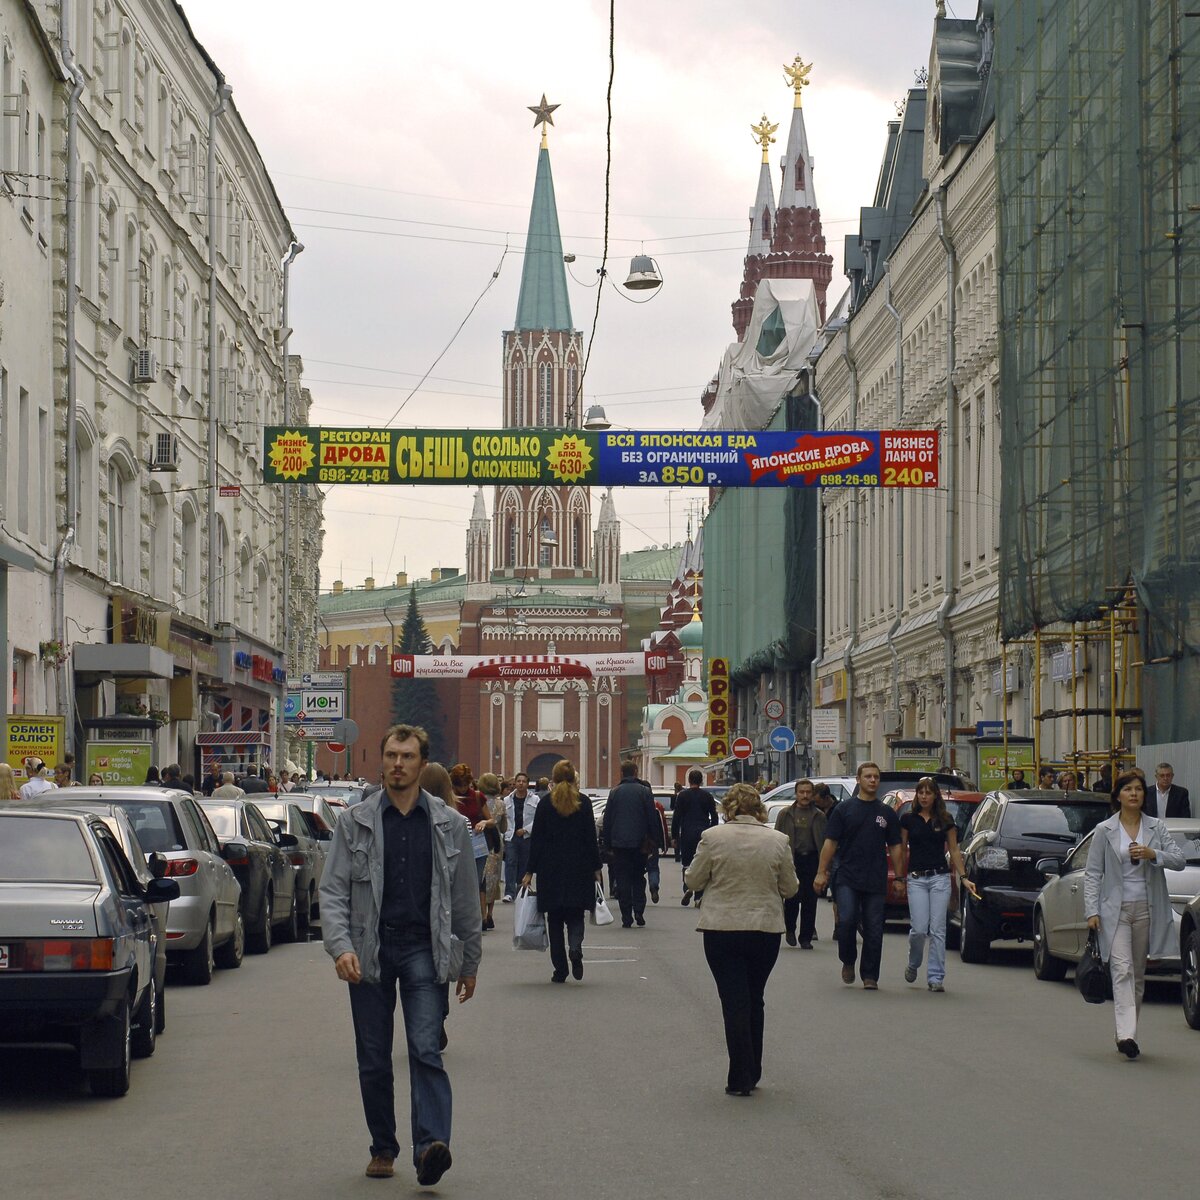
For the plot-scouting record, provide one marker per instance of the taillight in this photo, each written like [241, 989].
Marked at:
[179, 867]
[297, 860]
[62, 954]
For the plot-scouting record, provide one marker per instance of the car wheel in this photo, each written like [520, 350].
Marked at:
[145, 1033]
[305, 912]
[198, 966]
[290, 930]
[1045, 966]
[229, 957]
[973, 946]
[258, 939]
[160, 1017]
[1190, 987]
[114, 1080]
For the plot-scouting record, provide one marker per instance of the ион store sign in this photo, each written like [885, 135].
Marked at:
[903, 458]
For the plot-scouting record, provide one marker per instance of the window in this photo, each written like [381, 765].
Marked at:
[85, 512]
[118, 865]
[24, 453]
[125, 81]
[89, 237]
[195, 347]
[45, 477]
[510, 540]
[766, 224]
[800, 175]
[545, 398]
[222, 573]
[120, 523]
[23, 118]
[545, 543]
[550, 716]
[572, 398]
[577, 542]
[40, 186]
[160, 544]
[162, 128]
[9, 111]
[127, 269]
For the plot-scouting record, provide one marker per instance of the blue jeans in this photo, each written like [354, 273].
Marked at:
[854, 906]
[653, 874]
[516, 863]
[407, 964]
[928, 902]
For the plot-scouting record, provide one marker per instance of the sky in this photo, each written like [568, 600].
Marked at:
[401, 146]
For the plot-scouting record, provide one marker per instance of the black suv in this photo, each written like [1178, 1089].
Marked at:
[1008, 834]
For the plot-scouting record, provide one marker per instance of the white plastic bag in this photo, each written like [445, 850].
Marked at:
[529, 925]
[601, 913]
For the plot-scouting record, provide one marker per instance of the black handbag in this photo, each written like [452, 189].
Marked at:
[1091, 975]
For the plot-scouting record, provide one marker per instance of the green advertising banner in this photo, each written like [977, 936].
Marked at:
[904, 458]
[996, 766]
[122, 763]
[917, 762]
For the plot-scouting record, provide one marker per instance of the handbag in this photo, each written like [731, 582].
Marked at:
[1092, 976]
[529, 925]
[601, 913]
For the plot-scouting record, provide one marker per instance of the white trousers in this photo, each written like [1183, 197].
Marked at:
[1127, 964]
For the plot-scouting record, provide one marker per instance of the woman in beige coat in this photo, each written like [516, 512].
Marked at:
[745, 870]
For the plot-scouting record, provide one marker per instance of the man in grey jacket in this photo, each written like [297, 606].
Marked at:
[399, 881]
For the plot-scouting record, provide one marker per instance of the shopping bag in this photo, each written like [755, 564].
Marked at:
[601, 913]
[1091, 974]
[529, 925]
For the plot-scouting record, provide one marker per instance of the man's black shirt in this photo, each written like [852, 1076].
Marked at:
[863, 831]
[407, 867]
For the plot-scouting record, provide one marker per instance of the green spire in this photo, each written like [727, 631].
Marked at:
[543, 303]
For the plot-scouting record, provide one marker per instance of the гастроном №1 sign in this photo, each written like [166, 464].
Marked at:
[904, 458]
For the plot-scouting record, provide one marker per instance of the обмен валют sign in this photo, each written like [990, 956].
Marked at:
[904, 458]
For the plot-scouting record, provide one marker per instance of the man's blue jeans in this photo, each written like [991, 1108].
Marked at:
[516, 863]
[854, 906]
[928, 901]
[653, 874]
[405, 964]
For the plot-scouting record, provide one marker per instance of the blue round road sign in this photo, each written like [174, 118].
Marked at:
[782, 738]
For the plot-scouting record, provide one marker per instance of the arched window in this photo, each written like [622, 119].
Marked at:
[166, 312]
[545, 394]
[162, 130]
[127, 270]
[8, 154]
[572, 397]
[800, 175]
[126, 74]
[161, 539]
[189, 559]
[766, 223]
[89, 236]
[122, 523]
[510, 539]
[545, 542]
[224, 569]
[85, 512]
[264, 605]
[195, 347]
[577, 542]
[518, 394]
[245, 590]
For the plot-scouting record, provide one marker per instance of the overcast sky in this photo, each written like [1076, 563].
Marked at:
[408, 124]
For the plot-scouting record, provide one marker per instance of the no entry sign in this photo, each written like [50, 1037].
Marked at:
[742, 747]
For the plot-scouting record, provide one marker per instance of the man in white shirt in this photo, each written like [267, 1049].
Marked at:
[520, 805]
[1168, 799]
[38, 783]
[228, 789]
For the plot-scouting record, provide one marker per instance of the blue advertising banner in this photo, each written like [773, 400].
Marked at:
[906, 458]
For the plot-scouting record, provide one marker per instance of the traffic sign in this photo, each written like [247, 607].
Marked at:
[324, 679]
[742, 748]
[320, 733]
[773, 709]
[322, 705]
[782, 738]
[346, 731]
[292, 706]
[335, 747]
[827, 727]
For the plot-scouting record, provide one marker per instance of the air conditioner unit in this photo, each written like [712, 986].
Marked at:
[145, 367]
[164, 455]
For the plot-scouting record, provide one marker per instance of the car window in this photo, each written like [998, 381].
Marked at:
[1052, 820]
[273, 812]
[258, 825]
[223, 818]
[214, 843]
[312, 823]
[192, 825]
[44, 850]
[961, 813]
[1077, 859]
[155, 823]
[118, 865]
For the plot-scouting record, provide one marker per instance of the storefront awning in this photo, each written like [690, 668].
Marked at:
[130, 659]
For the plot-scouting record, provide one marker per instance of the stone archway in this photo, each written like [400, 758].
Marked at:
[543, 764]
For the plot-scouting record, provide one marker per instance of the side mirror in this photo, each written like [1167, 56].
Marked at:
[1048, 866]
[287, 840]
[157, 863]
[236, 852]
[160, 891]
[990, 836]
[324, 835]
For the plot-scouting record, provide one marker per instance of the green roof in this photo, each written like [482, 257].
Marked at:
[543, 303]
[454, 588]
[651, 563]
[694, 749]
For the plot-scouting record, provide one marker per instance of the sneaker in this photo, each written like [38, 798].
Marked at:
[806, 945]
[870, 985]
[910, 974]
[687, 899]
[381, 1167]
[654, 895]
[640, 920]
[433, 1163]
[506, 900]
[937, 987]
[847, 973]
[1128, 1047]
[577, 965]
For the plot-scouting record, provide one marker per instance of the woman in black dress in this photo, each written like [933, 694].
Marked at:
[564, 856]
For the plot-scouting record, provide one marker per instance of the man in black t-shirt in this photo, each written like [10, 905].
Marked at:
[862, 832]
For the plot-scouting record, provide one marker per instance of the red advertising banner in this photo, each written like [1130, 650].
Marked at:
[527, 666]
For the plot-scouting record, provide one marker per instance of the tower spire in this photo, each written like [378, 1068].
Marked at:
[762, 228]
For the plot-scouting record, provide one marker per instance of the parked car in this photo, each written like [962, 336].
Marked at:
[307, 856]
[1010, 833]
[844, 787]
[1189, 958]
[961, 806]
[145, 867]
[325, 814]
[76, 952]
[346, 793]
[1060, 929]
[258, 856]
[205, 926]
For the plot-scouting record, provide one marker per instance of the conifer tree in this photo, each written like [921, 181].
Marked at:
[415, 701]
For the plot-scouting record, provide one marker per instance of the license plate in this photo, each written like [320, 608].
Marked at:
[3, 958]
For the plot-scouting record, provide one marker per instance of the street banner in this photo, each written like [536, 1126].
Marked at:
[718, 708]
[827, 728]
[904, 458]
[120, 763]
[998, 762]
[28, 736]
[527, 666]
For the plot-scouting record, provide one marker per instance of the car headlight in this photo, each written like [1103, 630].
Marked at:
[992, 858]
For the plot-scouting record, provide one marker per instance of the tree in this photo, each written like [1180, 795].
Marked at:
[415, 701]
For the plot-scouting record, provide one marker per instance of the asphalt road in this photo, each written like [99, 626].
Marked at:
[1001, 1087]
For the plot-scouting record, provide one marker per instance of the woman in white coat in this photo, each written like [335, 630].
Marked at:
[1125, 897]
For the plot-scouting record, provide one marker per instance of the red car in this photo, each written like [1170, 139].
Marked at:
[960, 806]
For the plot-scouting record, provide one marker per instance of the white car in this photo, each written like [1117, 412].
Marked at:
[1060, 929]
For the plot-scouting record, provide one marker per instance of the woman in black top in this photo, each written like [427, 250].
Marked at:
[565, 857]
[927, 833]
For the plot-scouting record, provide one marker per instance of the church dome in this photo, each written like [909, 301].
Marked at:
[691, 636]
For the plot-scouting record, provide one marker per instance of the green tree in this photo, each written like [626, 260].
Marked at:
[415, 701]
